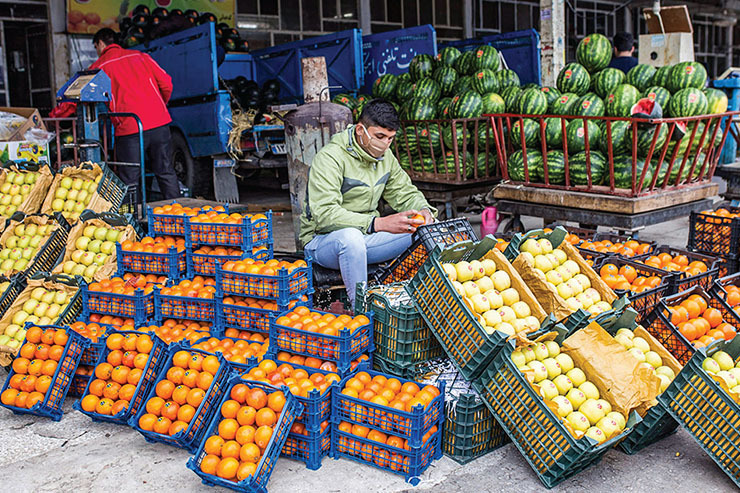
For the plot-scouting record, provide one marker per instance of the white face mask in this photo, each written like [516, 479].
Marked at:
[375, 147]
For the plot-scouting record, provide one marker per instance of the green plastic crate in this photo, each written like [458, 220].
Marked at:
[706, 411]
[402, 339]
[550, 449]
[471, 431]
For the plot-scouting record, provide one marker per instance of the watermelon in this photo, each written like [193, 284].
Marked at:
[551, 93]
[448, 56]
[480, 163]
[531, 133]
[429, 140]
[641, 76]
[623, 172]
[443, 108]
[467, 105]
[345, 100]
[555, 168]
[687, 74]
[493, 104]
[404, 77]
[620, 138]
[621, 100]
[716, 100]
[574, 78]
[385, 86]
[484, 81]
[607, 80]
[421, 109]
[446, 77]
[687, 102]
[594, 52]
[565, 104]
[576, 135]
[407, 142]
[449, 164]
[465, 64]
[484, 135]
[486, 57]
[515, 164]
[462, 84]
[364, 98]
[577, 168]
[589, 105]
[531, 85]
[660, 95]
[645, 135]
[421, 66]
[404, 91]
[461, 138]
[532, 102]
[662, 75]
[510, 95]
[404, 161]
[427, 88]
[554, 132]
[507, 78]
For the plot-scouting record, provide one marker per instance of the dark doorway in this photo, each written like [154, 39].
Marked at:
[26, 47]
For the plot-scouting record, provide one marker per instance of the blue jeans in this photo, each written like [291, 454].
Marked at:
[349, 251]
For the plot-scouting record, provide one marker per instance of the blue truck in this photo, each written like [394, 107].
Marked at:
[201, 105]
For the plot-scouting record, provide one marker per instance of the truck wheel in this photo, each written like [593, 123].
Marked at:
[195, 174]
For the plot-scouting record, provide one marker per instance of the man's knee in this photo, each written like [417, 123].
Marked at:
[351, 240]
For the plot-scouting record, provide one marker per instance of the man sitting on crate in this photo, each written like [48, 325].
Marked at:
[341, 227]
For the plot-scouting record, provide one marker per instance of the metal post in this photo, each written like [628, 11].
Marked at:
[552, 39]
[365, 17]
[468, 19]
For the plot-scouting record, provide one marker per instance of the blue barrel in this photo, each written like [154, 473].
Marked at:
[731, 87]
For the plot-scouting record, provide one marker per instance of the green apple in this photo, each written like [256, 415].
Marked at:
[448, 268]
[20, 264]
[48, 297]
[485, 284]
[69, 205]
[494, 299]
[563, 383]
[545, 245]
[492, 318]
[528, 352]
[553, 348]
[36, 241]
[531, 246]
[489, 266]
[724, 360]
[653, 359]
[518, 358]
[521, 309]
[20, 317]
[578, 421]
[641, 344]
[554, 277]
[77, 183]
[66, 182]
[27, 253]
[564, 405]
[77, 256]
[83, 196]
[101, 233]
[30, 178]
[542, 263]
[90, 271]
[589, 389]
[79, 269]
[5, 188]
[471, 289]
[11, 242]
[82, 242]
[560, 255]
[53, 311]
[592, 410]
[565, 362]
[540, 351]
[72, 195]
[576, 376]
[624, 340]
[507, 314]
[89, 231]
[60, 297]
[540, 371]
[464, 271]
[7, 265]
[107, 247]
[478, 270]
[40, 310]
[548, 390]
[100, 259]
[4, 339]
[30, 305]
[68, 266]
[509, 296]
[666, 371]
[637, 354]
[553, 368]
[595, 433]
[94, 246]
[501, 280]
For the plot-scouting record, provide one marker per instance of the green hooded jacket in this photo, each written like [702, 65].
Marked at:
[345, 184]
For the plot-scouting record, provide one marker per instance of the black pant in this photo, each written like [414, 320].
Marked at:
[158, 153]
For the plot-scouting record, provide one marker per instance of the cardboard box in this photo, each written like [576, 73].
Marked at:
[21, 151]
[670, 37]
[33, 120]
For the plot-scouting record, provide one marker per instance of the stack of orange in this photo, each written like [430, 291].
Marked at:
[34, 367]
[700, 323]
[321, 324]
[178, 396]
[629, 248]
[247, 422]
[247, 335]
[626, 278]
[206, 225]
[259, 303]
[128, 284]
[238, 351]
[268, 268]
[722, 212]
[173, 330]
[117, 377]
[297, 359]
[733, 295]
[679, 263]
[198, 287]
[175, 225]
[160, 244]
[90, 330]
[299, 381]
[84, 370]
[96, 318]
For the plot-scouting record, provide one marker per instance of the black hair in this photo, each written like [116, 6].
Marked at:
[106, 35]
[624, 41]
[380, 113]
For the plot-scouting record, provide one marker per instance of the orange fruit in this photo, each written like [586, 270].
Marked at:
[266, 417]
[262, 436]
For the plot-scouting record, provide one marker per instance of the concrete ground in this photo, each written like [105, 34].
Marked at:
[77, 454]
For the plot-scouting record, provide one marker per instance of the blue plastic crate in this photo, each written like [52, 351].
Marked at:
[245, 235]
[170, 224]
[51, 406]
[79, 384]
[310, 448]
[257, 482]
[171, 264]
[193, 435]
[91, 355]
[408, 463]
[283, 287]
[138, 306]
[239, 368]
[411, 426]
[170, 306]
[342, 349]
[150, 372]
[204, 264]
[354, 367]
[231, 316]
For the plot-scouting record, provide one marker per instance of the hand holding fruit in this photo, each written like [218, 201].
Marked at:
[401, 222]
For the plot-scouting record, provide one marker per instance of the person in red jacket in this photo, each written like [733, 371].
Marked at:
[138, 86]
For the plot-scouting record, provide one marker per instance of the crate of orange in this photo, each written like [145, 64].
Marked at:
[162, 256]
[202, 260]
[171, 330]
[244, 231]
[424, 239]
[617, 244]
[80, 380]
[133, 298]
[41, 375]
[241, 354]
[689, 268]
[643, 284]
[716, 232]
[322, 335]
[237, 455]
[188, 299]
[245, 313]
[184, 399]
[95, 333]
[123, 376]
[728, 289]
[169, 219]
[279, 280]
[298, 360]
[690, 320]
